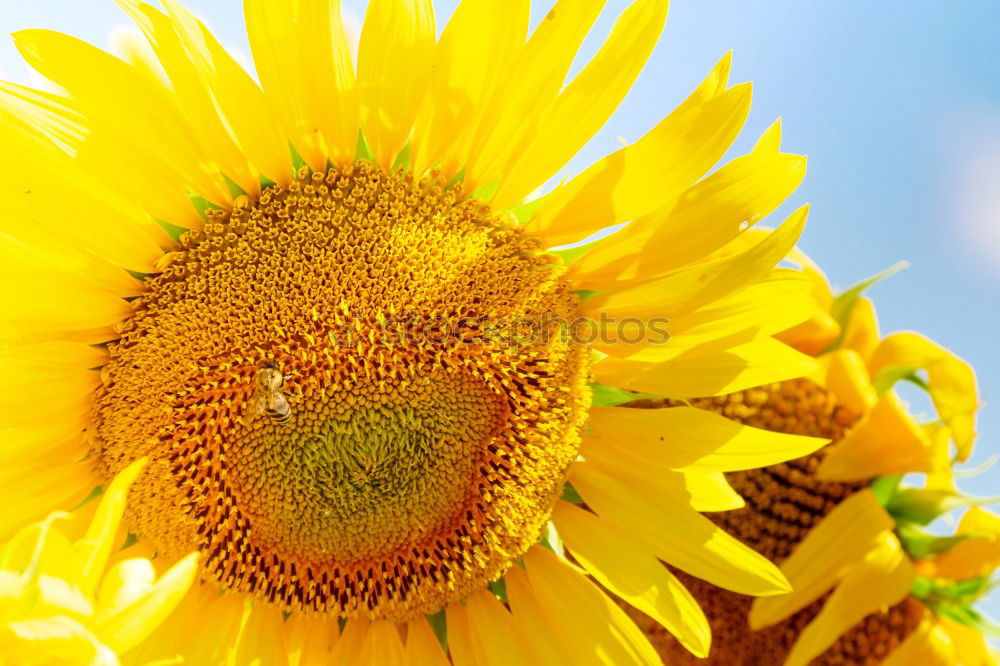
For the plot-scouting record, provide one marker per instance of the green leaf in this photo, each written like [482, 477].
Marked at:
[843, 304]
[609, 396]
[885, 487]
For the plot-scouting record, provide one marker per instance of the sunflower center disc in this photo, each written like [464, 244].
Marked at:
[420, 421]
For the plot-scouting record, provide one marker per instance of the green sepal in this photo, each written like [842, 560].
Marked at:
[609, 396]
[525, 211]
[885, 487]
[922, 505]
[587, 294]
[297, 160]
[202, 205]
[404, 158]
[499, 589]
[234, 189]
[550, 539]
[570, 494]
[888, 378]
[94, 494]
[266, 182]
[486, 191]
[172, 230]
[919, 544]
[130, 540]
[843, 304]
[571, 254]
[439, 625]
[363, 151]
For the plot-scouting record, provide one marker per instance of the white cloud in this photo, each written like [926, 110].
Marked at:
[974, 201]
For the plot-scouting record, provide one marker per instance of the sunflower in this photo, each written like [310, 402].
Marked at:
[328, 309]
[60, 602]
[870, 584]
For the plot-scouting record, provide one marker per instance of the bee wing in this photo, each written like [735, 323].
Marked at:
[255, 406]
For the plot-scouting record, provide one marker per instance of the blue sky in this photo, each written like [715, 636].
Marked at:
[896, 103]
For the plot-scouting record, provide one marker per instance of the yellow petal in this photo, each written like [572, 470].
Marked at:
[549, 643]
[124, 627]
[58, 376]
[422, 646]
[678, 534]
[463, 646]
[123, 103]
[709, 215]
[247, 111]
[646, 175]
[710, 491]
[978, 555]
[636, 576]
[847, 378]
[691, 438]
[692, 287]
[95, 547]
[52, 640]
[53, 200]
[193, 94]
[382, 646]
[952, 381]
[587, 101]
[301, 54]
[125, 583]
[309, 640]
[971, 648]
[699, 374]
[518, 104]
[492, 630]
[881, 580]
[578, 610]
[255, 643]
[887, 441]
[861, 333]
[830, 550]
[392, 81]
[927, 645]
[477, 46]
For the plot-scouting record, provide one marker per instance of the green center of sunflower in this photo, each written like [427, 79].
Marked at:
[343, 406]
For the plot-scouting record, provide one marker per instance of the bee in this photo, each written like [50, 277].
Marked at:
[268, 398]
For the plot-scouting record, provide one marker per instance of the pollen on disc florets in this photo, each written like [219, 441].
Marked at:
[420, 435]
[783, 503]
